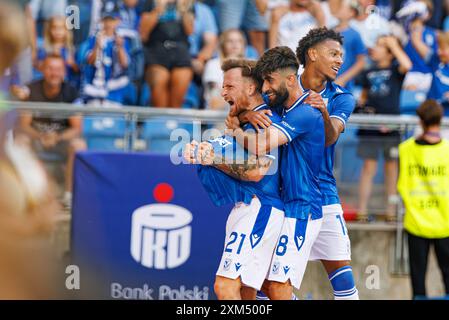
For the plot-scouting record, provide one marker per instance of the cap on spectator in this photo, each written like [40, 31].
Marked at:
[110, 10]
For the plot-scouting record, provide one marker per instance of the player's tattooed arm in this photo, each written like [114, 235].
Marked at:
[252, 168]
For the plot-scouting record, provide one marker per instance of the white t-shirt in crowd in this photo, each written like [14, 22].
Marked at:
[212, 74]
[293, 26]
[371, 28]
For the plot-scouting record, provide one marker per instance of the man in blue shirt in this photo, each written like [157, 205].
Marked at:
[321, 54]
[232, 175]
[107, 58]
[300, 132]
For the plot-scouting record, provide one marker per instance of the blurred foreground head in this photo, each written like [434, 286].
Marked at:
[13, 34]
[27, 204]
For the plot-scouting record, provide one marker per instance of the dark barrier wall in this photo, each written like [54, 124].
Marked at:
[143, 228]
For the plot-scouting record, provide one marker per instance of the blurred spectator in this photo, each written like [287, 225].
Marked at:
[105, 76]
[381, 90]
[291, 23]
[165, 28]
[51, 134]
[437, 60]
[129, 14]
[58, 40]
[243, 14]
[232, 45]
[424, 186]
[368, 23]
[87, 10]
[419, 77]
[28, 56]
[385, 8]
[446, 19]
[354, 54]
[43, 10]
[9, 80]
[266, 8]
[204, 39]
[27, 204]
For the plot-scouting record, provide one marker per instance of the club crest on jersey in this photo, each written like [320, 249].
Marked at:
[223, 142]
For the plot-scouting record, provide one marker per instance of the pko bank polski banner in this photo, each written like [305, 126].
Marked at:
[144, 228]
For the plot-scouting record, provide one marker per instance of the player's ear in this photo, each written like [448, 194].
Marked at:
[312, 54]
[291, 80]
[252, 88]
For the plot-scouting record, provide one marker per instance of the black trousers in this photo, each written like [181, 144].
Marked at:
[418, 252]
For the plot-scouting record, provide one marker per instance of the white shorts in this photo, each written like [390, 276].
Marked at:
[293, 250]
[252, 232]
[333, 242]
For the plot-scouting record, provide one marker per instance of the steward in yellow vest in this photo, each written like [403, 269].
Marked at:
[424, 186]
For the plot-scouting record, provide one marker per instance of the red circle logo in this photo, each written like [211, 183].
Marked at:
[163, 192]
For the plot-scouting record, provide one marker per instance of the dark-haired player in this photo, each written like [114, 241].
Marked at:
[320, 52]
[300, 131]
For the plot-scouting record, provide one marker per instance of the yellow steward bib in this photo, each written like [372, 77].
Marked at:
[424, 186]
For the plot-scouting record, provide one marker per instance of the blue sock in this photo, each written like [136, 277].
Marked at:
[261, 296]
[343, 284]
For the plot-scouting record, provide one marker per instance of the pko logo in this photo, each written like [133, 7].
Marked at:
[161, 234]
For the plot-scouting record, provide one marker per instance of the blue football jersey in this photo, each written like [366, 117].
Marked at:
[301, 159]
[224, 189]
[340, 104]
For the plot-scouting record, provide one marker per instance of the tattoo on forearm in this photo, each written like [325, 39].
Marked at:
[242, 171]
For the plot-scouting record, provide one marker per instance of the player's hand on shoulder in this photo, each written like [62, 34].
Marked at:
[258, 119]
[316, 101]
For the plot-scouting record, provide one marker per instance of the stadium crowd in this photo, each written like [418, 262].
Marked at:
[168, 53]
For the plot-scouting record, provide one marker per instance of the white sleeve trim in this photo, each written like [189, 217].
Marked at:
[339, 118]
[283, 131]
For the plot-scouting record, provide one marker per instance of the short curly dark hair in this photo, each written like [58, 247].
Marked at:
[314, 37]
[278, 58]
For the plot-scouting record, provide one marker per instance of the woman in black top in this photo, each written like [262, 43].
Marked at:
[164, 28]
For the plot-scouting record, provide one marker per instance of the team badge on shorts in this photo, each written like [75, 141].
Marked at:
[227, 264]
[276, 267]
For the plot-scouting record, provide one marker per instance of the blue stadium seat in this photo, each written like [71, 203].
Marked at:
[104, 133]
[156, 132]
